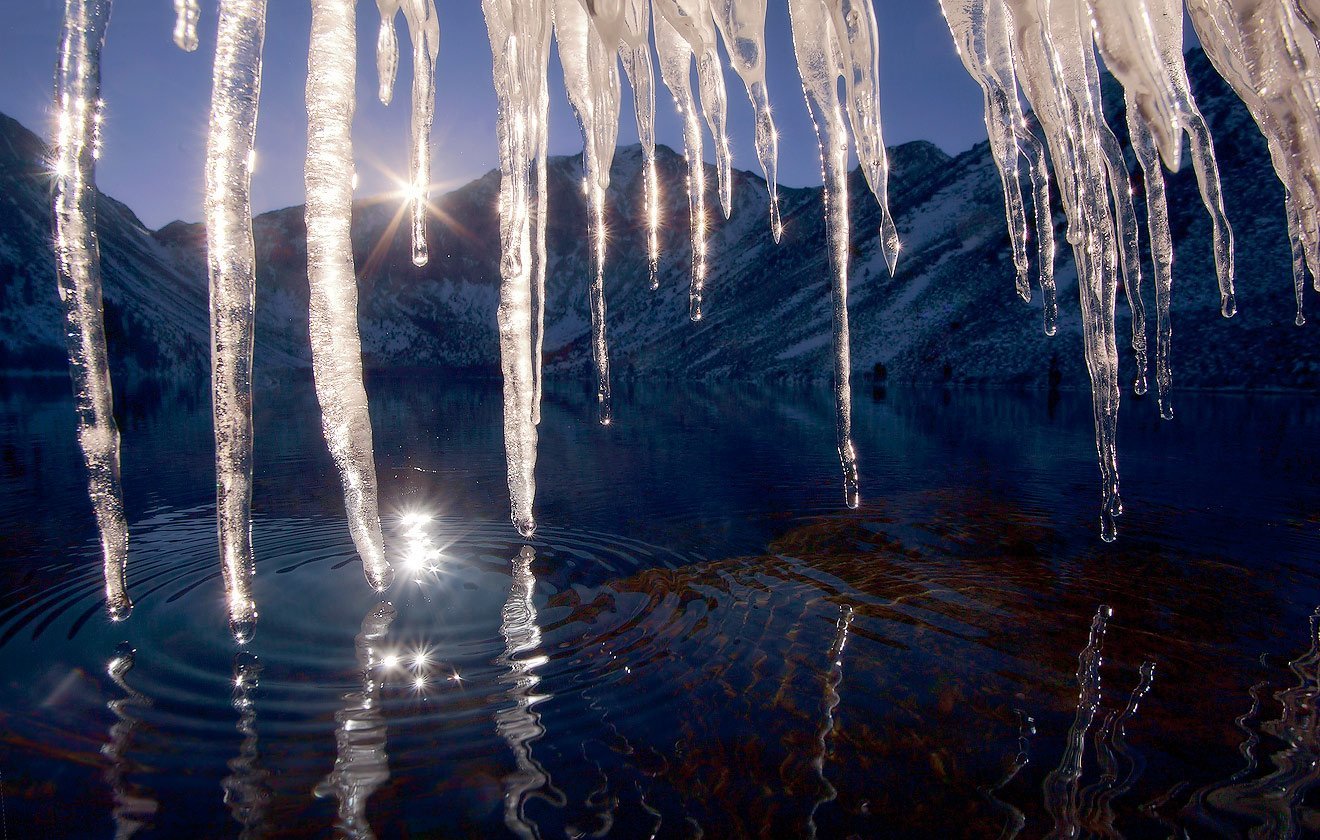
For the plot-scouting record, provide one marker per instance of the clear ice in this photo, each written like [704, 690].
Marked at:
[983, 39]
[424, 33]
[186, 14]
[692, 20]
[78, 118]
[675, 69]
[519, 42]
[336, 348]
[231, 264]
[820, 50]
[591, 78]
[635, 53]
[742, 25]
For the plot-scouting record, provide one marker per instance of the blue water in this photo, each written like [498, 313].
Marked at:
[700, 640]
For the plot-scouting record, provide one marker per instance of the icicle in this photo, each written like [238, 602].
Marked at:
[856, 42]
[1298, 259]
[1120, 190]
[1056, 74]
[1257, 49]
[336, 348]
[675, 61]
[591, 78]
[78, 272]
[387, 50]
[635, 53]
[1161, 248]
[742, 25]
[1167, 17]
[186, 14]
[424, 32]
[518, 41]
[236, 90]
[817, 49]
[536, 65]
[980, 33]
[691, 19]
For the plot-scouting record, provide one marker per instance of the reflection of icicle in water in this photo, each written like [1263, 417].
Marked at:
[519, 36]
[832, 699]
[1061, 783]
[817, 49]
[336, 349]
[519, 724]
[361, 765]
[78, 272]
[675, 60]
[1276, 803]
[984, 41]
[692, 21]
[424, 33]
[1016, 819]
[133, 809]
[246, 791]
[742, 25]
[591, 78]
[186, 14]
[231, 263]
[1119, 766]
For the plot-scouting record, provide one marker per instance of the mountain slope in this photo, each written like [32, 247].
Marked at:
[950, 313]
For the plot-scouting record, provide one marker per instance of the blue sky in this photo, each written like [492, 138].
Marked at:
[157, 99]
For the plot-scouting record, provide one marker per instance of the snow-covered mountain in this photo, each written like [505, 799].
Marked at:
[950, 313]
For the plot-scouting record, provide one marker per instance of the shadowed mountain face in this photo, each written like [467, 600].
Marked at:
[950, 314]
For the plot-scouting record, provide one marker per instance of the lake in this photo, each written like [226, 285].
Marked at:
[701, 640]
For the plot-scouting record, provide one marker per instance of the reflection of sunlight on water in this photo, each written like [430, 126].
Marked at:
[361, 765]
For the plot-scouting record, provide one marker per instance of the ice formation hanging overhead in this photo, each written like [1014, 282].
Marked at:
[1039, 52]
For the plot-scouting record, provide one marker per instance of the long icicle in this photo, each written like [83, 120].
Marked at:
[78, 273]
[539, 29]
[816, 45]
[513, 29]
[675, 68]
[235, 93]
[591, 78]
[635, 53]
[336, 348]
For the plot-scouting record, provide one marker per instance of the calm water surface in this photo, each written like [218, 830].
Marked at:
[699, 641]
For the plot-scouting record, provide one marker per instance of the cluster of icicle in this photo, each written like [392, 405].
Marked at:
[1045, 50]
[1040, 50]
